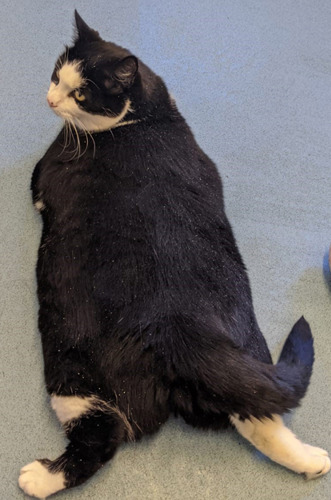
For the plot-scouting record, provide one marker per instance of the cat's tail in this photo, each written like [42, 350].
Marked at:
[248, 387]
[298, 352]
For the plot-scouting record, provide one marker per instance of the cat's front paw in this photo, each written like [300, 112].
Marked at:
[36, 480]
[319, 462]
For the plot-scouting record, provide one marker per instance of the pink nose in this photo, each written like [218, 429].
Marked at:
[51, 103]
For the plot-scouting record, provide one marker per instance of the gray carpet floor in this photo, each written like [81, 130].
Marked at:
[253, 79]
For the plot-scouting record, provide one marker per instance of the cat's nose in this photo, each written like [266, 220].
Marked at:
[51, 103]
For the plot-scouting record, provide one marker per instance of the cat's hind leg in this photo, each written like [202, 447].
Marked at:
[94, 429]
[275, 440]
[250, 391]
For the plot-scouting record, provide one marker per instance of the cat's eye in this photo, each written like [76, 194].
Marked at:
[55, 77]
[79, 96]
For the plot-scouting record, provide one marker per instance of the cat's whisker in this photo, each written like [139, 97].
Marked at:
[108, 112]
[74, 139]
[71, 137]
[65, 138]
[94, 146]
[87, 135]
[71, 132]
[87, 142]
[78, 140]
[67, 134]
[79, 153]
[81, 126]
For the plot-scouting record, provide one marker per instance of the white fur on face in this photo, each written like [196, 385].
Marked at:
[36, 481]
[69, 79]
[66, 107]
[277, 442]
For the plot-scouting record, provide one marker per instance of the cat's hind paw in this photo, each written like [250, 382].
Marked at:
[319, 462]
[36, 480]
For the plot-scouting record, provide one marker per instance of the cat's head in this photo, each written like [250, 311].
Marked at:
[95, 84]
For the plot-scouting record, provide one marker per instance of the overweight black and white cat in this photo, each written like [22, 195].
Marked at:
[145, 304]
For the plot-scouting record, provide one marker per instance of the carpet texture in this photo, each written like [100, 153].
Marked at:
[253, 79]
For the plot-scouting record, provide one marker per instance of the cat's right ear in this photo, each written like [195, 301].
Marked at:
[121, 77]
[83, 32]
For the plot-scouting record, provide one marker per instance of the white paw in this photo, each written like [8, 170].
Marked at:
[313, 450]
[318, 462]
[36, 481]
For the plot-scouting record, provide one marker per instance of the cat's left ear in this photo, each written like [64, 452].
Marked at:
[126, 70]
[83, 32]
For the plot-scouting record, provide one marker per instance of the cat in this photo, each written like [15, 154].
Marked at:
[145, 304]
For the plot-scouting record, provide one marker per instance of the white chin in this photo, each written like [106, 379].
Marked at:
[93, 123]
[58, 113]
